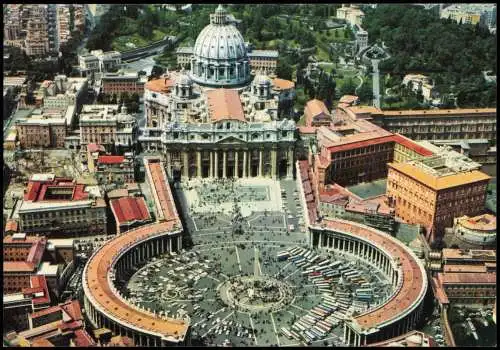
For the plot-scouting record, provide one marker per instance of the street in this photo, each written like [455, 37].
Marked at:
[145, 64]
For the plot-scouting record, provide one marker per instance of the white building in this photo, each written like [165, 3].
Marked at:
[99, 61]
[479, 230]
[106, 125]
[351, 14]
[422, 83]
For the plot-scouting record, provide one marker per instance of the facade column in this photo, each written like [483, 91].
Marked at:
[236, 175]
[211, 174]
[226, 71]
[224, 164]
[244, 160]
[320, 240]
[198, 163]
[216, 164]
[236, 69]
[179, 243]
[185, 163]
[273, 164]
[206, 71]
[260, 163]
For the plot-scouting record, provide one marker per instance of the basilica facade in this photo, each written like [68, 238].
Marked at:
[217, 120]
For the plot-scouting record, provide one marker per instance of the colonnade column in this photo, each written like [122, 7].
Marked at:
[211, 174]
[260, 163]
[226, 71]
[216, 164]
[236, 174]
[273, 164]
[244, 160]
[198, 163]
[224, 163]
[236, 69]
[185, 164]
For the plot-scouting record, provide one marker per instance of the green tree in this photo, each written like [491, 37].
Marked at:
[157, 71]
[284, 70]
[348, 88]
[365, 93]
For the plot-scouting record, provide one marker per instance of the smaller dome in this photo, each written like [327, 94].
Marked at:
[184, 79]
[261, 79]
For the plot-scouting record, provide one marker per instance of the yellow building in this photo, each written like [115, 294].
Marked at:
[406, 150]
[432, 193]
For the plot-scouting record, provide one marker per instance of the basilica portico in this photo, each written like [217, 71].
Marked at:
[227, 161]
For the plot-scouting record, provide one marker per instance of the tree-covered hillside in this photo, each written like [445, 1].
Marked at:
[454, 55]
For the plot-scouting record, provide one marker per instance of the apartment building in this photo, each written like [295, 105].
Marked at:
[61, 207]
[264, 61]
[113, 169]
[39, 131]
[121, 82]
[106, 125]
[351, 153]
[37, 39]
[431, 124]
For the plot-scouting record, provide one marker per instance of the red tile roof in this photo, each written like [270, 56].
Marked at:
[37, 190]
[412, 145]
[313, 109]
[110, 159]
[18, 266]
[122, 341]
[282, 84]
[11, 226]
[162, 85]
[72, 308]
[127, 209]
[349, 99]
[94, 147]
[360, 144]
[225, 104]
[307, 129]
[36, 251]
[162, 190]
[41, 342]
[82, 338]
[38, 284]
[467, 278]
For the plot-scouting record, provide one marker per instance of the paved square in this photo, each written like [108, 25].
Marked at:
[219, 195]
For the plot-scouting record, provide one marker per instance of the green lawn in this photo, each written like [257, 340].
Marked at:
[120, 42]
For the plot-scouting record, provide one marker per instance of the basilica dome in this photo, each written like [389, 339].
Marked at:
[219, 55]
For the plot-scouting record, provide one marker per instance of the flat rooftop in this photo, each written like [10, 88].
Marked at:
[441, 182]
